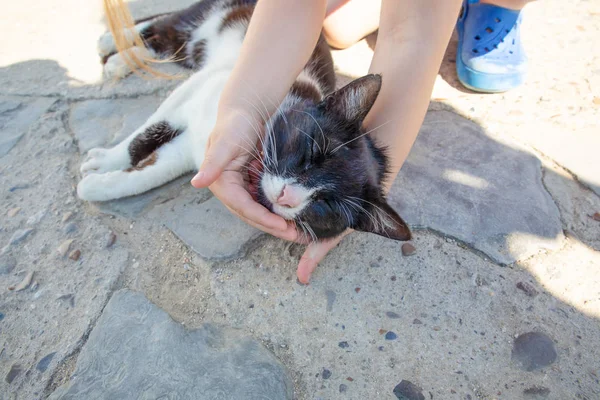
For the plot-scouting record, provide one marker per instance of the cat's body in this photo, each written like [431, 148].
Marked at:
[323, 138]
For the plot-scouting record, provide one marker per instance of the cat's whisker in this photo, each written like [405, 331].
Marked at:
[376, 222]
[272, 158]
[268, 121]
[316, 122]
[383, 223]
[255, 156]
[358, 137]
[346, 212]
[309, 231]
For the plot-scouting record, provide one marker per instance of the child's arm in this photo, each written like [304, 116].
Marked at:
[279, 42]
[412, 39]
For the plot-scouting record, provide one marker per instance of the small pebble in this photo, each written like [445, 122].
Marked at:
[67, 216]
[343, 388]
[528, 288]
[186, 267]
[391, 336]
[536, 391]
[533, 350]
[349, 379]
[326, 374]
[24, 284]
[375, 264]
[19, 187]
[417, 321]
[407, 390]
[1, 316]
[357, 289]
[75, 254]
[408, 249]
[382, 331]
[42, 366]
[7, 264]
[13, 211]
[36, 218]
[596, 216]
[70, 297]
[70, 227]
[393, 278]
[63, 249]
[437, 328]
[110, 239]
[15, 370]
[343, 345]
[392, 315]
[19, 236]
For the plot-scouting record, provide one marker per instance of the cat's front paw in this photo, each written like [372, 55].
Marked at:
[99, 161]
[106, 45]
[116, 67]
[93, 188]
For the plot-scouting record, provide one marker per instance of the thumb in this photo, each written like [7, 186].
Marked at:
[217, 157]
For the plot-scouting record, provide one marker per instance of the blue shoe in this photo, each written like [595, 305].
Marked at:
[490, 55]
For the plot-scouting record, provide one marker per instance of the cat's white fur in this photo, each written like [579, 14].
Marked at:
[192, 105]
[273, 186]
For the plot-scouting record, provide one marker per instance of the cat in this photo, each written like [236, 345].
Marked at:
[318, 168]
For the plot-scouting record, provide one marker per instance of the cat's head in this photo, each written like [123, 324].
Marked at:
[323, 171]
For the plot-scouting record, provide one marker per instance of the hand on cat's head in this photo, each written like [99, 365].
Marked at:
[322, 171]
[318, 170]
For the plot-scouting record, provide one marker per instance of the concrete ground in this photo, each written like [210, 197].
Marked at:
[501, 299]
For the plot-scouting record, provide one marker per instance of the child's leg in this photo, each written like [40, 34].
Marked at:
[348, 21]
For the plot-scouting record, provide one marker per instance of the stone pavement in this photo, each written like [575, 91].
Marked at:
[166, 295]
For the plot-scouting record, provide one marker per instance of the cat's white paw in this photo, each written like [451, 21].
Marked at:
[94, 188]
[116, 67]
[106, 45]
[99, 161]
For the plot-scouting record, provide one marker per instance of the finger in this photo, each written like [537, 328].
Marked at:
[290, 234]
[217, 157]
[315, 252]
[236, 198]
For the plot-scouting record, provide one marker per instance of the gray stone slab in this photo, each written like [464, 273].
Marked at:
[136, 351]
[16, 116]
[208, 228]
[461, 181]
[104, 123]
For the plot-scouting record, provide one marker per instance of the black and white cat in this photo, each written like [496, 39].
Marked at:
[319, 168]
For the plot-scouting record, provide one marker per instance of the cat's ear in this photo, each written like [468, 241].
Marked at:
[381, 219]
[354, 100]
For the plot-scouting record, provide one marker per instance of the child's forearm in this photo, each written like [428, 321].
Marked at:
[279, 42]
[412, 39]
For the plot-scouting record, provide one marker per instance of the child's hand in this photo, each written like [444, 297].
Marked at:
[229, 150]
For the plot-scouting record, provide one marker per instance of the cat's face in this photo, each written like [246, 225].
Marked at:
[321, 170]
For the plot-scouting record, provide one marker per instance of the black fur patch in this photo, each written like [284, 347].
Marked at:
[151, 139]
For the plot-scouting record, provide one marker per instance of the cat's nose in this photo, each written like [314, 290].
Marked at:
[290, 197]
